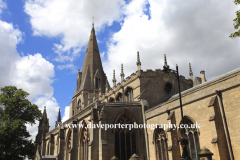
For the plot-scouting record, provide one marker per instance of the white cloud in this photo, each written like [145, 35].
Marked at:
[2, 6]
[32, 73]
[66, 114]
[68, 66]
[71, 20]
[189, 31]
[9, 38]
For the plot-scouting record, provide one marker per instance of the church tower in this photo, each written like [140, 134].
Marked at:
[91, 80]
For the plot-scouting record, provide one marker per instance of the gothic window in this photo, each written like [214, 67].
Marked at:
[161, 144]
[84, 144]
[125, 139]
[111, 99]
[129, 94]
[119, 97]
[193, 142]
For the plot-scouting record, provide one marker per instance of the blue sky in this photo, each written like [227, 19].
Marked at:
[43, 43]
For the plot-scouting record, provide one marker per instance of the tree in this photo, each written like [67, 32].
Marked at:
[15, 112]
[236, 21]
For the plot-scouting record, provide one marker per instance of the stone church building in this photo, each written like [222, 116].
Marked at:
[145, 97]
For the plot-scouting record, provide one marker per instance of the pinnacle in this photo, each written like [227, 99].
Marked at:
[114, 75]
[59, 116]
[190, 70]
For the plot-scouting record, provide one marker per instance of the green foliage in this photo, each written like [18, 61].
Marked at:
[15, 112]
[236, 24]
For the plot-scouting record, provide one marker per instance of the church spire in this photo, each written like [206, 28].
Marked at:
[91, 65]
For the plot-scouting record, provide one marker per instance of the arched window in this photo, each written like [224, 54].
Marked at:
[161, 144]
[193, 142]
[125, 139]
[111, 99]
[84, 142]
[129, 94]
[119, 97]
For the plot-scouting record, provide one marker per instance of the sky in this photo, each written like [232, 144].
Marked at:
[43, 42]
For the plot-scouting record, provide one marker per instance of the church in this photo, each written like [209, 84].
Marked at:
[145, 97]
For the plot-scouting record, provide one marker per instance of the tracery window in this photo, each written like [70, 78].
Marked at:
[84, 141]
[129, 94]
[125, 139]
[161, 144]
[119, 97]
[193, 142]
